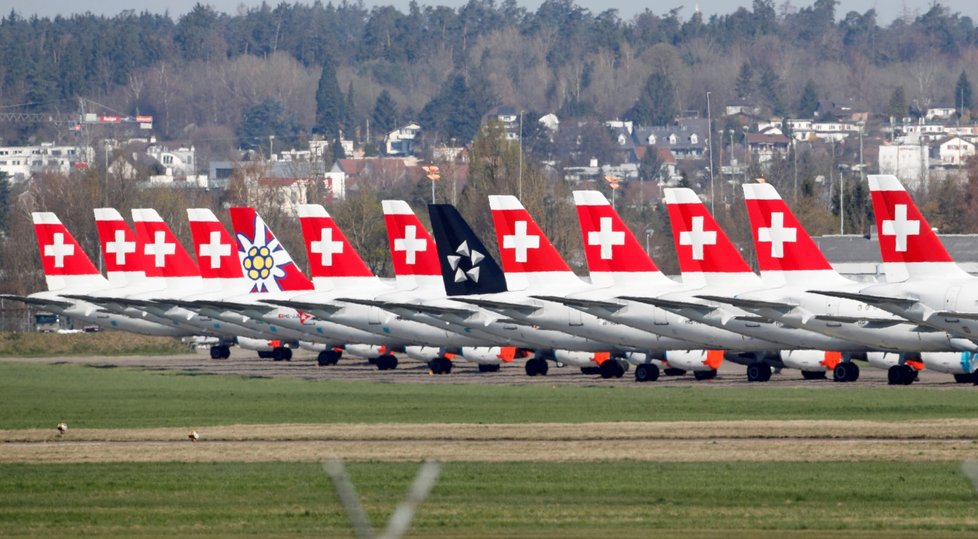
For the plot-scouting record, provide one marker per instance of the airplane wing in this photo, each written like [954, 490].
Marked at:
[410, 307]
[38, 301]
[955, 314]
[500, 306]
[875, 322]
[751, 303]
[584, 304]
[232, 306]
[322, 310]
[672, 304]
[868, 298]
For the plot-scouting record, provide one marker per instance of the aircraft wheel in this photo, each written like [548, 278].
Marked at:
[287, 354]
[841, 372]
[758, 372]
[215, 352]
[609, 369]
[646, 372]
[672, 371]
[705, 375]
[266, 355]
[900, 375]
[813, 375]
[853, 373]
[446, 365]
[963, 378]
[590, 370]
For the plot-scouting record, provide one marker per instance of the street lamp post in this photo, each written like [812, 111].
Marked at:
[648, 235]
[709, 140]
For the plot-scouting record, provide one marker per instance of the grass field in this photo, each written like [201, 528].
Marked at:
[33, 396]
[102, 343]
[615, 499]
[133, 472]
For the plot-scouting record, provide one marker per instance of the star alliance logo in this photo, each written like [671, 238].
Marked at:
[473, 259]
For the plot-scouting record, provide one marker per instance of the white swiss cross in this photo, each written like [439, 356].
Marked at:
[215, 249]
[120, 247]
[326, 246]
[777, 235]
[697, 237]
[520, 241]
[59, 249]
[607, 237]
[159, 249]
[411, 244]
[901, 227]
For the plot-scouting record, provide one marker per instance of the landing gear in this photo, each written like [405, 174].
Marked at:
[813, 375]
[488, 368]
[385, 362]
[329, 357]
[758, 372]
[846, 371]
[646, 372]
[440, 365]
[220, 351]
[612, 369]
[590, 370]
[281, 354]
[901, 375]
[965, 378]
[672, 371]
[705, 375]
[535, 366]
[266, 355]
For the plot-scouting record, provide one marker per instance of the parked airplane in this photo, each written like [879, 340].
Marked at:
[924, 285]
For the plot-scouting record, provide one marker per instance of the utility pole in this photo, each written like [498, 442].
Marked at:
[520, 186]
[709, 139]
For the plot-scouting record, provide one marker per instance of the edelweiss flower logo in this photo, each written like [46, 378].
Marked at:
[263, 258]
[471, 257]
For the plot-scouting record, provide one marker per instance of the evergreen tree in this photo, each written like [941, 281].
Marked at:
[770, 86]
[4, 201]
[264, 120]
[657, 103]
[349, 113]
[329, 101]
[962, 93]
[898, 104]
[745, 81]
[385, 113]
[808, 102]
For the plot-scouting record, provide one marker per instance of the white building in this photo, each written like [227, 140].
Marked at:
[401, 141]
[953, 151]
[20, 163]
[906, 160]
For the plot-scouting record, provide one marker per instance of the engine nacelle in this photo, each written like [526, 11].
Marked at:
[258, 345]
[581, 359]
[639, 358]
[883, 360]
[423, 353]
[365, 350]
[810, 360]
[314, 346]
[694, 360]
[490, 355]
[950, 362]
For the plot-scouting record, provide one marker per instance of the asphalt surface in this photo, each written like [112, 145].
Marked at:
[304, 366]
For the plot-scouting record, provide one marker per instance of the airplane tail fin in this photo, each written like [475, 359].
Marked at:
[217, 257]
[908, 245]
[332, 257]
[264, 260]
[120, 248]
[614, 255]
[786, 253]
[65, 264]
[162, 253]
[412, 249]
[704, 251]
[466, 266]
[529, 258]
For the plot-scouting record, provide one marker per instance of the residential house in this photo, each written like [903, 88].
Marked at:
[509, 117]
[846, 111]
[21, 163]
[940, 113]
[952, 151]
[403, 141]
[686, 139]
[764, 146]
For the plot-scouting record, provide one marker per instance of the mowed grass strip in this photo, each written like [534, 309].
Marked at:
[102, 343]
[40, 396]
[616, 499]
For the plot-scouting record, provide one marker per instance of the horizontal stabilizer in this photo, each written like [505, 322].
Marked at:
[233, 306]
[960, 315]
[671, 304]
[750, 303]
[877, 322]
[753, 319]
[867, 298]
[500, 306]
[38, 301]
[585, 304]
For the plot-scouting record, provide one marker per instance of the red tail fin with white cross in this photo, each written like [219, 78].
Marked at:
[704, 251]
[613, 254]
[528, 257]
[217, 256]
[163, 254]
[120, 248]
[65, 264]
[908, 245]
[785, 251]
[413, 250]
[332, 258]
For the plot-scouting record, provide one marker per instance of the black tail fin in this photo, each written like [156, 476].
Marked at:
[466, 266]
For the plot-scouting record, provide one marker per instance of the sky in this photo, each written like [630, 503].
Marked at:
[886, 10]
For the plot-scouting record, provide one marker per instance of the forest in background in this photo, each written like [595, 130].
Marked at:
[206, 76]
